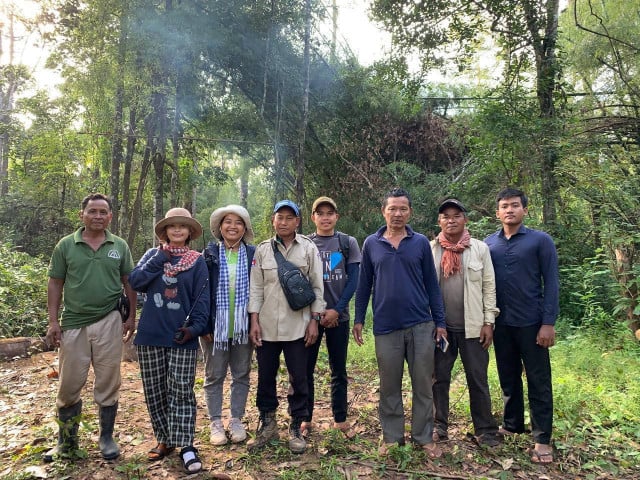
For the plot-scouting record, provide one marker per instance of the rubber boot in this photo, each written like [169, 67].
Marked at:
[108, 447]
[68, 422]
[267, 431]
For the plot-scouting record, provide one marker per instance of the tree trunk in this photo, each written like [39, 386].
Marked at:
[300, 159]
[8, 87]
[125, 217]
[117, 156]
[546, 81]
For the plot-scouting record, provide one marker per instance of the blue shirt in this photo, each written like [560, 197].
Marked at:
[404, 283]
[169, 300]
[527, 279]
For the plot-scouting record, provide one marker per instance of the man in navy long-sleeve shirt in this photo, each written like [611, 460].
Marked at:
[527, 290]
[408, 317]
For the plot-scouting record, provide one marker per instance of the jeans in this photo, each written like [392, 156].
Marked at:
[295, 356]
[475, 361]
[337, 340]
[516, 347]
[415, 345]
[236, 358]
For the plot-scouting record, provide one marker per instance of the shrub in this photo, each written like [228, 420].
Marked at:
[23, 287]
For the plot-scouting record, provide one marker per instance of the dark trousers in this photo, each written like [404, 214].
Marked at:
[295, 357]
[475, 361]
[516, 347]
[337, 340]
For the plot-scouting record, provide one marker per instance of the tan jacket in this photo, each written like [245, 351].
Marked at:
[278, 322]
[479, 285]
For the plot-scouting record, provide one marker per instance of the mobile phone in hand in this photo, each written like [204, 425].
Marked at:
[443, 344]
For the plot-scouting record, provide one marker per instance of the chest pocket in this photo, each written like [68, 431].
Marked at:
[474, 271]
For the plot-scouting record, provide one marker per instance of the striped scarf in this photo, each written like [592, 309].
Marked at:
[240, 315]
[187, 259]
[452, 256]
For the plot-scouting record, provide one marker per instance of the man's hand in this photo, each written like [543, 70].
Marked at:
[54, 334]
[311, 333]
[255, 332]
[357, 333]
[440, 332]
[330, 318]
[546, 336]
[486, 336]
[128, 328]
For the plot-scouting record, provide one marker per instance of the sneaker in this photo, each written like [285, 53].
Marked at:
[218, 435]
[297, 443]
[236, 431]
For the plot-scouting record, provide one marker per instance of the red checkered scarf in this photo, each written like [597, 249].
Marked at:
[452, 256]
[188, 258]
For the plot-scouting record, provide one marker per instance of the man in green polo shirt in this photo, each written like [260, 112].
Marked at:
[91, 265]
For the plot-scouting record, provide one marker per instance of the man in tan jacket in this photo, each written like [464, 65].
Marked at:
[467, 282]
[276, 328]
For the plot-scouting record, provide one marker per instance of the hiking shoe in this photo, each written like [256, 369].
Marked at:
[267, 431]
[297, 443]
[218, 435]
[236, 431]
[488, 439]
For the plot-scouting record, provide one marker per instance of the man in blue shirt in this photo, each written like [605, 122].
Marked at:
[408, 317]
[527, 289]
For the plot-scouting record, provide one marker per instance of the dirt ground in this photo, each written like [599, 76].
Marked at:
[27, 428]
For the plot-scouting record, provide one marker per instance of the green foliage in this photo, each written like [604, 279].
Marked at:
[588, 293]
[23, 286]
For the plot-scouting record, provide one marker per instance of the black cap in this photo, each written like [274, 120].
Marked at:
[451, 202]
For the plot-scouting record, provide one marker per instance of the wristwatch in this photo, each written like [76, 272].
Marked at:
[316, 317]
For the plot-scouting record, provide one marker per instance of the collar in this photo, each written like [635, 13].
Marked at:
[77, 236]
[521, 231]
[279, 240]
[381, 230]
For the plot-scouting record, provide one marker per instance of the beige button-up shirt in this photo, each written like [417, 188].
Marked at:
[277, 321]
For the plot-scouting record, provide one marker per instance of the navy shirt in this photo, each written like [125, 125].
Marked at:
[404, 283]
[527, 280]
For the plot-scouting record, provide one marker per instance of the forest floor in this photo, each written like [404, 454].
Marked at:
[28, 428]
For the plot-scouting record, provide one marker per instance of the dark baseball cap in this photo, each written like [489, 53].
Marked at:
[289, 204]
[451, 202]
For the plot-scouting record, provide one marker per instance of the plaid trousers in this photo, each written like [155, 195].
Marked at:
[168, 376]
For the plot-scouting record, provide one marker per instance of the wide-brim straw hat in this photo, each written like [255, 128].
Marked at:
[218, 215]
[178, 215]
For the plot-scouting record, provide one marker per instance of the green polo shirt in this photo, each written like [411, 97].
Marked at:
[92, 280]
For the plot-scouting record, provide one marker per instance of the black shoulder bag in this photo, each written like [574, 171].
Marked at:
[296, 287]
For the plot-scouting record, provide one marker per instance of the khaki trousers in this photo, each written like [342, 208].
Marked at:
[100, 345]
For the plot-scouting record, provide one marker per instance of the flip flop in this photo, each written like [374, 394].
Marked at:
[432, 450]
[541, 457]
[159, 452]
[305, 429]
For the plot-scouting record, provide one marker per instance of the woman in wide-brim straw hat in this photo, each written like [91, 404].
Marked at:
[175, 280]
[227, 346]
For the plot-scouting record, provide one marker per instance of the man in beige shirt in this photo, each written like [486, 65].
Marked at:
[276, 328]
